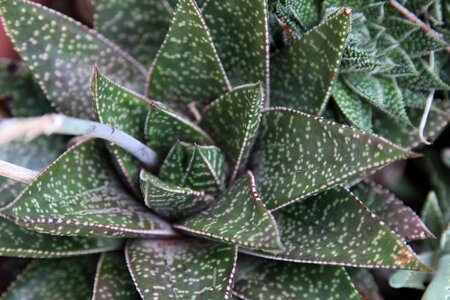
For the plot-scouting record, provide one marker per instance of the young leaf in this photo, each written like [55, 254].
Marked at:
[112, 281]
[399, 217]
[164, 127]
[139, 27]
[183, 268]
[187, 67]
[238, 217]
[336, 228]
[300, 155]
[265, 279]
[303, 74]
[307, 12]
[55, 279]
[169, 200]
[239, 29]
[124, 110]
[61, 53]
[79, 195]
[242, 108]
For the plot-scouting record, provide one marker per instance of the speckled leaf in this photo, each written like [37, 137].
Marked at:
[307, 12]
[139, 27]
[412, 279]
[264, 279]
[79, 195]
[399, 217]
[169, 200]
[303, 74]
[233, 121]
[365, 283]
[300, 155]
[439, 287]
[61, 54]
[112, 281]
[187, 67]
[55, 279]
[238, 217]
[124, 110]
[239, 29]
[184, 268]
[336, 228]
[420, 43]
[173, 168]
[352, 106]
[164, 127]
[425, 79]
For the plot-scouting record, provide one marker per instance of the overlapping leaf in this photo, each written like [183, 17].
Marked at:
[233, 121]
[264, 279]
[187, 68]
[365, 283]
[300, 155]
[61, 54]
[112, 281]
[238, 217]
[439, 287]
[336, 228]
[182, 268]
[303, 74]
[78, 195]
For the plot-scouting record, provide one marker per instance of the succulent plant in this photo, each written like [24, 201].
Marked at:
[204, 169]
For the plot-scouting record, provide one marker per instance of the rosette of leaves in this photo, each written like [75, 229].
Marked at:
[247, 199]
[391, 63]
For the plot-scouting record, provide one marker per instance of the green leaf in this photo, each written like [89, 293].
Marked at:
[164, 127]
[264, 279]
[112, 281]
[439, 287]
[187, 68]
[238, 217]
[173, 168]
[412, 279]
[433, 217]
[183, 268]
[124, 110]
[300, 155]
[425, 79]
[365, 283]
[352, 106]
[239, 29]
[61, 53]
[79, 195]
[306, 12]
[169, 200]
[399, 217]
[336, 228]
[55, 279]
[139, 27]
[242, 108]
[303, 74]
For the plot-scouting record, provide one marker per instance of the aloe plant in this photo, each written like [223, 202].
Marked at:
[202, 167]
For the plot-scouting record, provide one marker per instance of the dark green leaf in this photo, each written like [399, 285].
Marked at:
[233, 121]
[112, 281]
[55, 279]
[303, 74]
[425, 79]
[79, 195]
[238, 217]
[432, 216]
[61, 54]
[365, 283]
[181, 269]
[187, 68]
[300, 155]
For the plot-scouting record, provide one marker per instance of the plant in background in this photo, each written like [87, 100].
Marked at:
[213, 181]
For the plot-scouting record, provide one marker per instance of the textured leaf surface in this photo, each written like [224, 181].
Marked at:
[399, 217]
[112, 281]
[233, 121]
[61, 54]
[307, 12]
[439, 287]
[55, 279]
[169, 200]
[336, 228]
[265, 279]
[238, 217]
[412, 279]
[303, 74]
[187, 67]
[124, 110]
[300, 155]
[164, 127]
[164, 269]
[239, 29]
[139, 27]
[78, 195]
